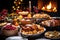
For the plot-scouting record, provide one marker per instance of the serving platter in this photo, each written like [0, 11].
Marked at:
[29, 35]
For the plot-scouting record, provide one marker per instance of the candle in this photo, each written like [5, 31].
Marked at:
[30, 6]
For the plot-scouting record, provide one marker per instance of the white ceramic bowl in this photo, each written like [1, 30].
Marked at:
[16, 38]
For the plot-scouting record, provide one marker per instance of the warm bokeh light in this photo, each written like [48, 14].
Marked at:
[14, 2]
[13, 7]
[21, 0]
[18, 7]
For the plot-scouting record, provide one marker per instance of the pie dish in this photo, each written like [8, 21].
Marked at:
[52, 34]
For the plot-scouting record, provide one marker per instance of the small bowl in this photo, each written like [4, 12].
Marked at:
[10, 32]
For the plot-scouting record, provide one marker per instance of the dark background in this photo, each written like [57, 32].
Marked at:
[7, 4]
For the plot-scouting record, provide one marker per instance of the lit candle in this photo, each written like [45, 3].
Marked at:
[30, 6]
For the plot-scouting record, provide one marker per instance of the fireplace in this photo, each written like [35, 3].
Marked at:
[47, 5]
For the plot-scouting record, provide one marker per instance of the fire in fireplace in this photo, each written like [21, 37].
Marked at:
[50, 6]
